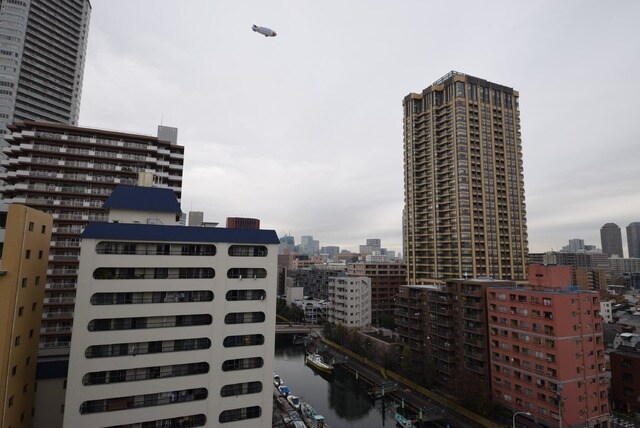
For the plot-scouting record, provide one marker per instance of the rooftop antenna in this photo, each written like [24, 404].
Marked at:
[161, 118]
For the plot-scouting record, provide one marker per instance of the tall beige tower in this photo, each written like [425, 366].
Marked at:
[464, 190]
[25, 234]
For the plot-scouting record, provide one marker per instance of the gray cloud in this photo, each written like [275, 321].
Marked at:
[304, 131]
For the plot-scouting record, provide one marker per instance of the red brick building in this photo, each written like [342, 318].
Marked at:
[547, 354]
[386, 279]
[625, 381]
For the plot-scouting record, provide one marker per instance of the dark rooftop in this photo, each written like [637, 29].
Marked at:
[152, 232]
[141, 198]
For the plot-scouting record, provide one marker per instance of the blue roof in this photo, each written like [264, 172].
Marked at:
[155, 233]
[141, 198]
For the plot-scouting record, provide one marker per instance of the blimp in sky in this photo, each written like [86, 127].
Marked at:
[267, 32]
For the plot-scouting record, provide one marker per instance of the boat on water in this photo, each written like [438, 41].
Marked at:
[277, 380]
[309, 415]
[316, 361]
[404, 422]
[294, 400]
[284, 390]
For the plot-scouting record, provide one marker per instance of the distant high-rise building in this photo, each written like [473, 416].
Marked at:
[43, 53]
[464, 190]
[576, 244]
[287, 245]
[633, 240]
[308, 245]
[611, 239]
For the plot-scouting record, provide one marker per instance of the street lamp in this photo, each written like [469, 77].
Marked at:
[516, 414]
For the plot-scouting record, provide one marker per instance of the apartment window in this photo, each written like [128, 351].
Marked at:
[109, 324]
[27, 254]
[241, 389]
[34, 305]
[144, 373]
[37, 281]
[43, 229]
[17, 341]
[240, 414]
[31, 226]
[25, 387]
[40, 254]
[151, 297]
[248, 251]
[244, 340]
[141, 348]
[147, 400]
[242, 364]
[31, 333]
[20, 311]
[10, 403]
[27, 361]
[240, 273]
[244, 317]
[24, 282]
[181, 421]
[235, 295]
[14, 370]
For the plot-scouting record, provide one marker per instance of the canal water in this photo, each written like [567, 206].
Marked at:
[339, 397]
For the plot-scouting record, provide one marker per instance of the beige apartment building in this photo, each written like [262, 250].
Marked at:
[464, 211]
[25, 235]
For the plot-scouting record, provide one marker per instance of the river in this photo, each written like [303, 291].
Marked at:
[339, 397]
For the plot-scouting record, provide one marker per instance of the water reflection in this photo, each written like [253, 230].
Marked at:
[339, 397]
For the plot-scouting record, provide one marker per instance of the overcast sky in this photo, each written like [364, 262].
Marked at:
[304, 130]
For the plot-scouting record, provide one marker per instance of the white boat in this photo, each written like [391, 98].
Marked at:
[277, 380]
[316, 361]
[294, 400]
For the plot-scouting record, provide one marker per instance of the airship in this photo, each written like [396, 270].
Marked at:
[267, 32]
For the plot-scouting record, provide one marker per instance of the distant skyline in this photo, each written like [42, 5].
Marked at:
[304, 130]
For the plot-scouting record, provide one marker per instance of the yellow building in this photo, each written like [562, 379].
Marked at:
[25, 234]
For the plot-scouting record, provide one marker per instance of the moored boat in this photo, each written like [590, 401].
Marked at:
[284, 390]
[277, 380]
[294, 400]
[316, 361]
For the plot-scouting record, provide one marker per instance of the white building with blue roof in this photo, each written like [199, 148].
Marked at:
[173, 325]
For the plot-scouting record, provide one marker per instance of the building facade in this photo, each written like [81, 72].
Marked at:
[25, 235]
[69, 172]
[611, 240]
[633, 239]
[386, 279]
[464, 210]
[42, 60]
[625, 381]
[350, 301]
[547, 355]
[443, 328]
[174, 325]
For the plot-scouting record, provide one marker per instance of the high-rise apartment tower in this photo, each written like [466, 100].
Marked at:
[633, 239]
[611, 239]
[69, 172]
[464, 211]
[42, 59]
